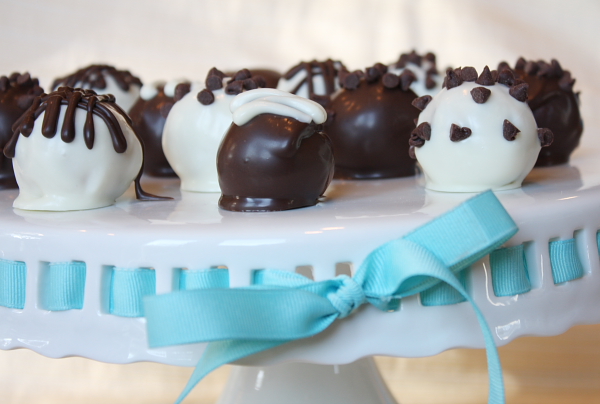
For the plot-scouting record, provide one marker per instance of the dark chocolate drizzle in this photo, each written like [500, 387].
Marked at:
[103, 106]
[17, 93]
[93, 77]
[328, 69]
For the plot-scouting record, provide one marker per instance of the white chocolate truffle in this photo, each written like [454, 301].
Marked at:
[104, 79]
[60, 167]
[426, 79]
[196, 125]
[464, 145]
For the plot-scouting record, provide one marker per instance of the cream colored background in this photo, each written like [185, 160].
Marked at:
[178, 38]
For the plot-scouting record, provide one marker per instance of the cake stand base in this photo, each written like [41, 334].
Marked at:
[304, 383]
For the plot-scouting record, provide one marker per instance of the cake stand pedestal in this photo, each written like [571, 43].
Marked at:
[304, 383]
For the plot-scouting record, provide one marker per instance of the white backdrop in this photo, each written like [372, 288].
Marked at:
[183, 38]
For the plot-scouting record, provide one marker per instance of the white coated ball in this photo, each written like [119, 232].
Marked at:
[485, 160]
[57, 176]
[191, 139]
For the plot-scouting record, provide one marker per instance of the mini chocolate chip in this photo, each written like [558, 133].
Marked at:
[544, 69]
[503, 65]
[430, 57]
[506, 77]
[4, 83]
[424, 131]
[415, 139]
[213, 82]
[390, 80]
[485, 78]
[468, 73]
[234, 87]
[531, 68]
[414, 58]
[411, 152]
[520, 65]
[509, 131]
[351, 81]
[546, 136]
[166, 108]
[381, 68]
[429, 82]
[407, 77]
[495, 75]
[14, 76]
[557, 70]
[480, 94]
[422, 102]
[453, 78]
[260, 81]
[181, 90]
[457, 133]
[519, 92]
[402, 61]
[242, 75]
[216, 72]
[566, 83]
[206, 97]
[249, 84]
[23, 79]
[372, 74]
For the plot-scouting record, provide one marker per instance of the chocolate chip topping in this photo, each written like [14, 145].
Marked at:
[374, 72]
[93, 77]
[424, 131]
[351, 80]
[520, 65]
[485, 78]
[422, 102]
[213, 82]
[468, 73]
[206, 97]
[480, 94]
[506, 77]
[181, 90]
[390, 80]
[407, 77]
[566, 83]
[519, 92]
[216, 72]
[546, 136]
[509, 131]
[453, 78]
[415, 140]
[458, 133]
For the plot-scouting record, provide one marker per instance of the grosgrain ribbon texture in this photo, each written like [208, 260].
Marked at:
[282, 306]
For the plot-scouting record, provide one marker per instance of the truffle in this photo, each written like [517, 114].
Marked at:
[91, 162]
[372, 124]
[17, 93]
[471, 138]
[105, 79]
[148, 116]
[274, 155]
[555, 106]
[427, 80]
[196, 125]
[314, 80]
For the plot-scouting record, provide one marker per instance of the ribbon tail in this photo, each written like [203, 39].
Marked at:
[220, 353]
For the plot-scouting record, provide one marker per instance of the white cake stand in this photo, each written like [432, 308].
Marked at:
[335, 236]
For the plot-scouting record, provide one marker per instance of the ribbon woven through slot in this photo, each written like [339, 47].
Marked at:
[283, 306]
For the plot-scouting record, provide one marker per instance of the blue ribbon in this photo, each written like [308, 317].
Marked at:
[283, 306]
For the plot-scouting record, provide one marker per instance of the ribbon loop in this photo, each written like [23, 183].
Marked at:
[348, 297]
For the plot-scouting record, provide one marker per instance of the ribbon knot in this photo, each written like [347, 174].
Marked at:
[348, 297]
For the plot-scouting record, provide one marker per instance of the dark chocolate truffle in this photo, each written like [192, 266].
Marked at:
[555, 106]
[16, 96]
[370, 129]
[148, 116]
[274, 161]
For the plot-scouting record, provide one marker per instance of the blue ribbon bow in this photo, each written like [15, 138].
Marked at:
[282, 306]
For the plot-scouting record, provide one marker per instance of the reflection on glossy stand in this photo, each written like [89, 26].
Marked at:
[304, 383]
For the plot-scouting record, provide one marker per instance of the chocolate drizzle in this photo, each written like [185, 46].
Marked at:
[93, 76]
[17, 93]
[102, 106]
[329, 70]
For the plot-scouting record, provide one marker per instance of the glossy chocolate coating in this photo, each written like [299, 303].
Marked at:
[273, 163]
[16, 95]
[148, 118]
[370, 131]
[557, 109]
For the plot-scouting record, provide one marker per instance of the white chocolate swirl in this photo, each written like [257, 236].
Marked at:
[252, 103]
